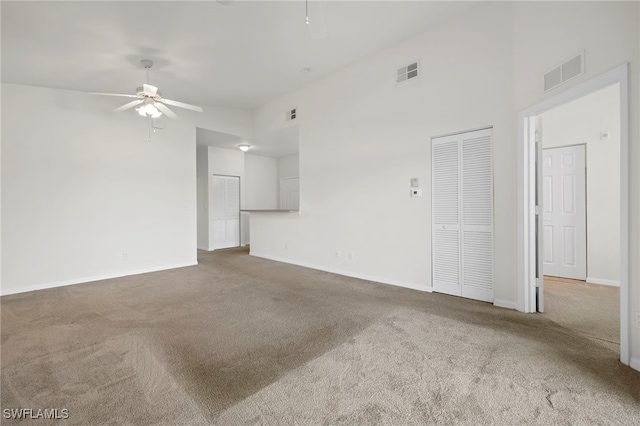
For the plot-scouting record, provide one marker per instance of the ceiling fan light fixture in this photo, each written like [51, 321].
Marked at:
[149, 100]
[149, 110]
[244, 147]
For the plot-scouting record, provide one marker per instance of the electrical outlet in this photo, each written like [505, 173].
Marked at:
[125, 256]
[638, 319]
[338, 253]
[351, 255]
[286, 246]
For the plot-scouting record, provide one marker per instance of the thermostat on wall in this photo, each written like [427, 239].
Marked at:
[604, 136]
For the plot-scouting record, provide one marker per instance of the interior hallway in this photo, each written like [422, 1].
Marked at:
[592, 310]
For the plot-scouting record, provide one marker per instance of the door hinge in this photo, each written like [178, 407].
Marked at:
[538, 282]
[537, 137]
[538, 210]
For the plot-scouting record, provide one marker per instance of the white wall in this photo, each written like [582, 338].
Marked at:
[289, 166]
[260, 182]
[260, 188]
[202, 164]
[609, 33]
[581, 122]
[81, 187]
[237, 122]
[362, 138]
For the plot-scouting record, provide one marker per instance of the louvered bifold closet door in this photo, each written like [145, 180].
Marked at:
[462, 215]
[233, 212]
[219, 213]
[477, 216]
[225, 211]
[445, 214]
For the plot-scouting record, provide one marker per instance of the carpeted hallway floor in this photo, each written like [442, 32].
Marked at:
[243, 340]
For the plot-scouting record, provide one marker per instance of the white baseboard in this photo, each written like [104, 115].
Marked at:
[406, 284]
[601, 281]
[505, 304]
[635, 364]
[203, 248]
[94, 278]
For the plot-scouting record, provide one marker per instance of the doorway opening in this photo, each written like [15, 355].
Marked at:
[531, 217]
[580, 219]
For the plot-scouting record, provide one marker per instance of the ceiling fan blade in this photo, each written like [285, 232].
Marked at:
[182, 105]
[112, 94]
[166, 111]
[129, 105]
[149, 90]
[316, 24]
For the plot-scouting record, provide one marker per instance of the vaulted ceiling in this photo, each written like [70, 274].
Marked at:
[239, 55]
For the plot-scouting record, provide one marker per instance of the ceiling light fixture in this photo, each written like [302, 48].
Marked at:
[244, 147]
[149, 110]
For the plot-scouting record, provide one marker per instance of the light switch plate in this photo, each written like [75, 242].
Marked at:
[415, 182]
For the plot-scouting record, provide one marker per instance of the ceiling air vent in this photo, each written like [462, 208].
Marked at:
[292, 114]
[565, 72]
[407, 72]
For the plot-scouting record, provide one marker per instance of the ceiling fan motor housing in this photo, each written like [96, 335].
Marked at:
[140, 92]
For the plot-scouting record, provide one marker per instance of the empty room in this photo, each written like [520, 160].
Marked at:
[320, 212]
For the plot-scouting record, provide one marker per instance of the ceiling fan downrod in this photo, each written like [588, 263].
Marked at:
[147, 64]
[306, 11]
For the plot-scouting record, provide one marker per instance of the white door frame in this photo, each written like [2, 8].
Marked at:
[527, 194]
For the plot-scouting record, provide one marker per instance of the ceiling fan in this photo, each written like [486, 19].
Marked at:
[149, 100]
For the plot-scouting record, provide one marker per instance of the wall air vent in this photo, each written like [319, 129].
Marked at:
[407, 72]
[562, 73]
[292, 114]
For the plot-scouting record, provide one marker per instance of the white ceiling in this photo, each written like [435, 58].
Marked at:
[277, 144]
[240, 55]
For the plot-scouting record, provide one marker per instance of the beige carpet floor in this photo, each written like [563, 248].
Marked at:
[242, 340]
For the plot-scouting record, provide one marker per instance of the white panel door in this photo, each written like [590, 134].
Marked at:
[225, 232]
[564, 212]
[290, 193]
[462, 215]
